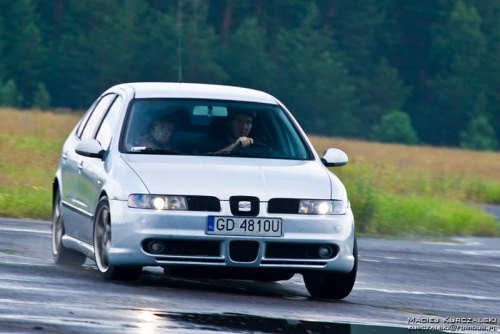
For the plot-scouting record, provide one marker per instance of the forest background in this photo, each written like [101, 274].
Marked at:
[422, 72]
[415, 72]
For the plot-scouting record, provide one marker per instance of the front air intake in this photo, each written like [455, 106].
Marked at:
[243, 251]
[203, 203]
[283, 205]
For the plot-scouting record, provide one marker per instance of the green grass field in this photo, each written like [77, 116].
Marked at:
[394, 189]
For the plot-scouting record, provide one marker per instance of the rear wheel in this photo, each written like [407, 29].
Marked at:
[102, 246]
[332, 285]
[61, 254]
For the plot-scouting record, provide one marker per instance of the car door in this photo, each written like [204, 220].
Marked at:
[79, 217]
[68, 165]
[93, 173]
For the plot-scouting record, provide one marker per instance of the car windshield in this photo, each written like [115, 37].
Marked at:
[211, 128]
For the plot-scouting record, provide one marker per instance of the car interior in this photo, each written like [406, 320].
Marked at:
[197, 134]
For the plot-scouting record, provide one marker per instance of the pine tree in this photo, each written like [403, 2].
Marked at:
[245, 58]
[10, 95]
[41, 99]
[358, 30]
[381, 92]
[490, 67]
[2, 61]
[158, 58]
[457, 49]
[313, 80]
[22, 51]
[199, 41]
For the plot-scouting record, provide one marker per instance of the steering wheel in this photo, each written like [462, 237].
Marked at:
[257, 149]
[254, 149]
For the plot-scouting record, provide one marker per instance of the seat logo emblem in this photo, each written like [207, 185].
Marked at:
[244, 206]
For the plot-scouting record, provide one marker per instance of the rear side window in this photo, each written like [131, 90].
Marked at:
[85, 118]
[96, 117]
[109, 124]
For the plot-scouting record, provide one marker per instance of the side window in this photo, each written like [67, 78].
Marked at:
[109, 123]
[85, 118]
[95, 118]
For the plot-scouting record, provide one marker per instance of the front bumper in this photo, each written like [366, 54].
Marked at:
[132, 228]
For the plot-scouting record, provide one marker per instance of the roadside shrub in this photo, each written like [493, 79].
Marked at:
[41, 99]
[480, 135]
[414, 215]
[25, 202]
[395, 127]
[483, 192]
[9, 95]
[359, 180]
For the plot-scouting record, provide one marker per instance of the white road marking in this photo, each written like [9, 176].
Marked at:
[16, 229]
[476, 252]
[443, 243]
[26, 263]
[431, 261]
[22, 260]
[460, 242]
[407, 292]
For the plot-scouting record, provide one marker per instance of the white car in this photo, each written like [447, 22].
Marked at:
[202, 180]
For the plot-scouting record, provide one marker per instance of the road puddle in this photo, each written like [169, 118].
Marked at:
[240, 323]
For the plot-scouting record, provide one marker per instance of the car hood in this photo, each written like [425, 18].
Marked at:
[224, 177]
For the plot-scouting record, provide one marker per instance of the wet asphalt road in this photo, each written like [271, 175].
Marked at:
[396, 280]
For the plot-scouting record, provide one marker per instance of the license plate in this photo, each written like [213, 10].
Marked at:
[250, 226]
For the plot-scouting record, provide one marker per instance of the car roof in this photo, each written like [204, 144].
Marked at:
[198, 91]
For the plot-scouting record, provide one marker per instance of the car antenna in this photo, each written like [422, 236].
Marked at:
[179, 37]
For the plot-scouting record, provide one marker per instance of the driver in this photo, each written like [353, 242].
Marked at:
[239, 124]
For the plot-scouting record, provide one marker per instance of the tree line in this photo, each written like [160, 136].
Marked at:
[421, 72]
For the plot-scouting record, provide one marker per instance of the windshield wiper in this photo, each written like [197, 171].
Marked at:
[151, 150]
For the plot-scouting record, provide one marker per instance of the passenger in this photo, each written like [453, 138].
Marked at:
[159, 132]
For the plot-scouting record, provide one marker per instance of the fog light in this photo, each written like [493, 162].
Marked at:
[156, 247]
[325, 252]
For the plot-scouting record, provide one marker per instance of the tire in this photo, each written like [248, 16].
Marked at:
[61, 254]
[332, 285]
[102, 246]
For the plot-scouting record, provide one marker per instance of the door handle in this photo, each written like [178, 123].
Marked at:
[64, 155]
[80, 166]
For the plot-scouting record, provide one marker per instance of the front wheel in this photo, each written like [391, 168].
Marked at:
[61, 254]
[102, 246]
[332, 285]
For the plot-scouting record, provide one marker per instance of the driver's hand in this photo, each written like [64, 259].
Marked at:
[244, 141]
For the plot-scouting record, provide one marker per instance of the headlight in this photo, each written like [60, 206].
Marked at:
[322, 207]
[158, 202]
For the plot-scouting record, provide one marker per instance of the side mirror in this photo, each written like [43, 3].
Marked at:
[90, 148]
[333, 157]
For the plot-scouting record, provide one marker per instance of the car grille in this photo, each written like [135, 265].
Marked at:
[203, 203]
[283, 205]
[297, 251]
[243, 251]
